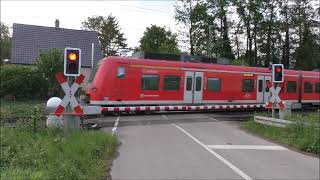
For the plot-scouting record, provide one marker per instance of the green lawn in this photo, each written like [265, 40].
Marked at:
[20, 108]
[305, 117]
[53, 154]
[309, 117]
[300, 136]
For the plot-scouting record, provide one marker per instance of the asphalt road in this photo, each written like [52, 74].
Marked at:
[200, 146]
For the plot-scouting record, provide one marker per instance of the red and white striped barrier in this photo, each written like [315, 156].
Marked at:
[180, 108]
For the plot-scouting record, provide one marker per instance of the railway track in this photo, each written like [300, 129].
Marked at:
[166, 118]
[102, 121]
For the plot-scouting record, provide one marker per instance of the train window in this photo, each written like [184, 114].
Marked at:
[214, 84]
[260, 86]
[121, 72]
[318, 87]
[189, 83]
[308, 87]
[171, 83]
[267, 88]
[198, 83]
[150, 82]
[291, 87]
[247, 85]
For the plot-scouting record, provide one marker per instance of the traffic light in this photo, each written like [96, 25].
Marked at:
[277, 73]
[72, 61]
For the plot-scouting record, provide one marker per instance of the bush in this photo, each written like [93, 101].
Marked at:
[21, 82]
[33, 81]
[48, 64]
[242, 61]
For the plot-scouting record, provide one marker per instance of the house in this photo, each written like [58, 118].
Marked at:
[29, 40]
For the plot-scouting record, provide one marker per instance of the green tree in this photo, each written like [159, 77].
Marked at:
[193, 17]
[241, 61]
[111, 39]
[270, 33]
[157, 39]
[5, 44]
[245, 14]
[48, 64]
[285, 12]
[201, 32]
[219, 10]
[308, 54]
[306, 27]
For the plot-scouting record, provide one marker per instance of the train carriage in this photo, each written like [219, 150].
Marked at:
[123, 81]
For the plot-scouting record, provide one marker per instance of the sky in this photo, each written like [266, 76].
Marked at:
[133, 16]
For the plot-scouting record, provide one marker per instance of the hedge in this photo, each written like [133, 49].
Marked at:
[21, 82]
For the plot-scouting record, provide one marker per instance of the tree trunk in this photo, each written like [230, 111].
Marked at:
[268, 45]
[191, 30]
[300, 26]
[286, 46]
[250, 44]
[237, 44]
[255, 44]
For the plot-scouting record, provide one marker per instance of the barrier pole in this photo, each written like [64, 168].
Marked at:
[70, 121]
[274, 104]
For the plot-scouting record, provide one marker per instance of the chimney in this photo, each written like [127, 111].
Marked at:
[57, 23]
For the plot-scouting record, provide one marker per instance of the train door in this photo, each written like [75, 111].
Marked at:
[193, 87]
[198, 87]
[262, 88]
[188, 87]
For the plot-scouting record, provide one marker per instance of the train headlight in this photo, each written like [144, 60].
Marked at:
[94, 90]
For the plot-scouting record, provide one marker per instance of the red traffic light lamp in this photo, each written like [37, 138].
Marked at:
[279, 69]
[72, 56]
[72, 61]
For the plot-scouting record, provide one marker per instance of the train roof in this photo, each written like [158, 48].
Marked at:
[181, 64]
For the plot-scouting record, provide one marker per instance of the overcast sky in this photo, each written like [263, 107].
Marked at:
[133, 16]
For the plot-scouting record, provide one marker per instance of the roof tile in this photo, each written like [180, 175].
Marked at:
[28, 40]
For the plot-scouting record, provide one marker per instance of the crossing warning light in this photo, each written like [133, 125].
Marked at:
[277, 73]
[72, 61]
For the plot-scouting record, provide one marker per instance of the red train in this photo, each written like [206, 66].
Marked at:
[127, 81]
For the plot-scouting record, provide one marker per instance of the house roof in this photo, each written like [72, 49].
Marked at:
[29, 40]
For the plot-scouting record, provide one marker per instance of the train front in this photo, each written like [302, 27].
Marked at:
[98, 82]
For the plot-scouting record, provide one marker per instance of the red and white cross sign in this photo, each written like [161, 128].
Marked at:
[274, 96]
[69, 97]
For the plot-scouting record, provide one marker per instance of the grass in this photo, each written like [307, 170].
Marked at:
[310, 117]
[20, 108]
[52, 154]
[304, 117]
[300, 136]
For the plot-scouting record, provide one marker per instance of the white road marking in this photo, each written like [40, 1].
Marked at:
[115, 125]
[165, 117]
[226, 162]
[247, 147]
[209, 117]
[213, 119]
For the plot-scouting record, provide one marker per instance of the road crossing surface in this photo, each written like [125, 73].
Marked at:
[201, 146]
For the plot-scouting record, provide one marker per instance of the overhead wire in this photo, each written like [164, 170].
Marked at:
[146, 9]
